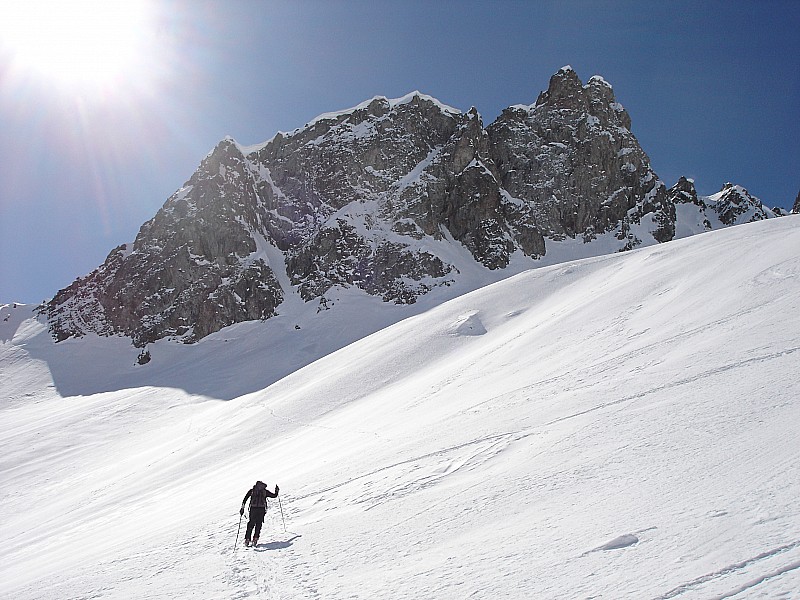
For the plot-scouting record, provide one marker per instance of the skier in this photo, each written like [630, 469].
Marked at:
[258, 495]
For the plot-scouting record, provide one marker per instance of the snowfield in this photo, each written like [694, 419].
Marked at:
[615, 427]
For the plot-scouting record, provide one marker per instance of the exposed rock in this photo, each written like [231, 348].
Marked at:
[734, 205]
[193, 269]
[368, 198]
[684, 192]
[572, 161]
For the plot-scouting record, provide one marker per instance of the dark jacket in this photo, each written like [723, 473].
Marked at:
[258, 495]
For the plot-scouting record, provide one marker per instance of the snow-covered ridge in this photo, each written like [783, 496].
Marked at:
[727, 189]
[392, 102]
[334, 115]
[598, 79]
[253, 148]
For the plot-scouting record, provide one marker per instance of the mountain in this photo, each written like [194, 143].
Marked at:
[395, 198]
[620, 427]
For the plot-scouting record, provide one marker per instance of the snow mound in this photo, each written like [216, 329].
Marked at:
[12, 317]
[623, 541]
[468, 324]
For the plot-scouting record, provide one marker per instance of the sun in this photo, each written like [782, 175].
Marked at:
[82, 44]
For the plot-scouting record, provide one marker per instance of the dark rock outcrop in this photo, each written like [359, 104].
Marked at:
[369, 197]
[573, 162]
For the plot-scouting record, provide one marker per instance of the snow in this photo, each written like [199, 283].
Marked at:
[393, 103]
[598, 79]
[615, 427]
[413, 176]
[408, 98]
[727, 189]
[361, 130]
[253, 148]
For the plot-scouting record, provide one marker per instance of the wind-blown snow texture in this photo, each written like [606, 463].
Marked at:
[616, 427]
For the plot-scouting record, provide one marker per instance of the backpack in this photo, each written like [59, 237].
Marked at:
[259, 495]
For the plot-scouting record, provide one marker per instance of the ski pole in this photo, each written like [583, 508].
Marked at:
[281, 507]
[237, 533]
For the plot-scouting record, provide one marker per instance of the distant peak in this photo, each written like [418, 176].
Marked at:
[684, 190]
[566, 73]
[223, 147]
[599, 80]
[728, 187]
[733, 193]
[417, 95]
[229, 141]
[410, 98]
[565, 89]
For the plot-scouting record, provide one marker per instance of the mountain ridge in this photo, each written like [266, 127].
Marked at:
[370, 197]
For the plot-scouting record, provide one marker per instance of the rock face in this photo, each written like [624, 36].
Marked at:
[734, 205]
[193, 269]
[796, 207]
[571, 164]
[379, 197]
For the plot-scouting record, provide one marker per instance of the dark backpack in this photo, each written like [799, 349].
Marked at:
[259, 495]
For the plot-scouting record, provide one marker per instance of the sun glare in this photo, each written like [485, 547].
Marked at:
[78, 43]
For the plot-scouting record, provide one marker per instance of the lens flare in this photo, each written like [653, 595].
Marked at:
[81, 44]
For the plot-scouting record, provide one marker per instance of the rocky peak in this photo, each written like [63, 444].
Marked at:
[603, 104]
[596, 98]
[564, 91]
[735, 205]
[684, 192]
[374, 197]
[572, 159]
[796, 207]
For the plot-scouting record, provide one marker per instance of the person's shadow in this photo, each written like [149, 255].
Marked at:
[277, 545]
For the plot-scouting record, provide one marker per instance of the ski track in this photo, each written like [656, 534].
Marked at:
[716, 579]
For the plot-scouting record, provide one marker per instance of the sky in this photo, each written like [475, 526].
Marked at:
[713, 90]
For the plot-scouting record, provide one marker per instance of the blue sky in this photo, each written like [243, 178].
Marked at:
[713, 90]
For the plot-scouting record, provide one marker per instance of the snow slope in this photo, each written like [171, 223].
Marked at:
[616, 427]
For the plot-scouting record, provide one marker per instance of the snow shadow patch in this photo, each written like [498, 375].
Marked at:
[623, 541]
[277, 545]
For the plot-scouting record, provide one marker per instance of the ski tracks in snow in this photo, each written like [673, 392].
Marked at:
[742, 577]
[404, 477]
[271, 570]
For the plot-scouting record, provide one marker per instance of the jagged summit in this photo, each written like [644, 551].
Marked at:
[380, 104]
[734, 205]
[396, 198]
[567, 92]
[599, 80]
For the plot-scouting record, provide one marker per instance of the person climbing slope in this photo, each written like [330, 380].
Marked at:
[258, 495]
